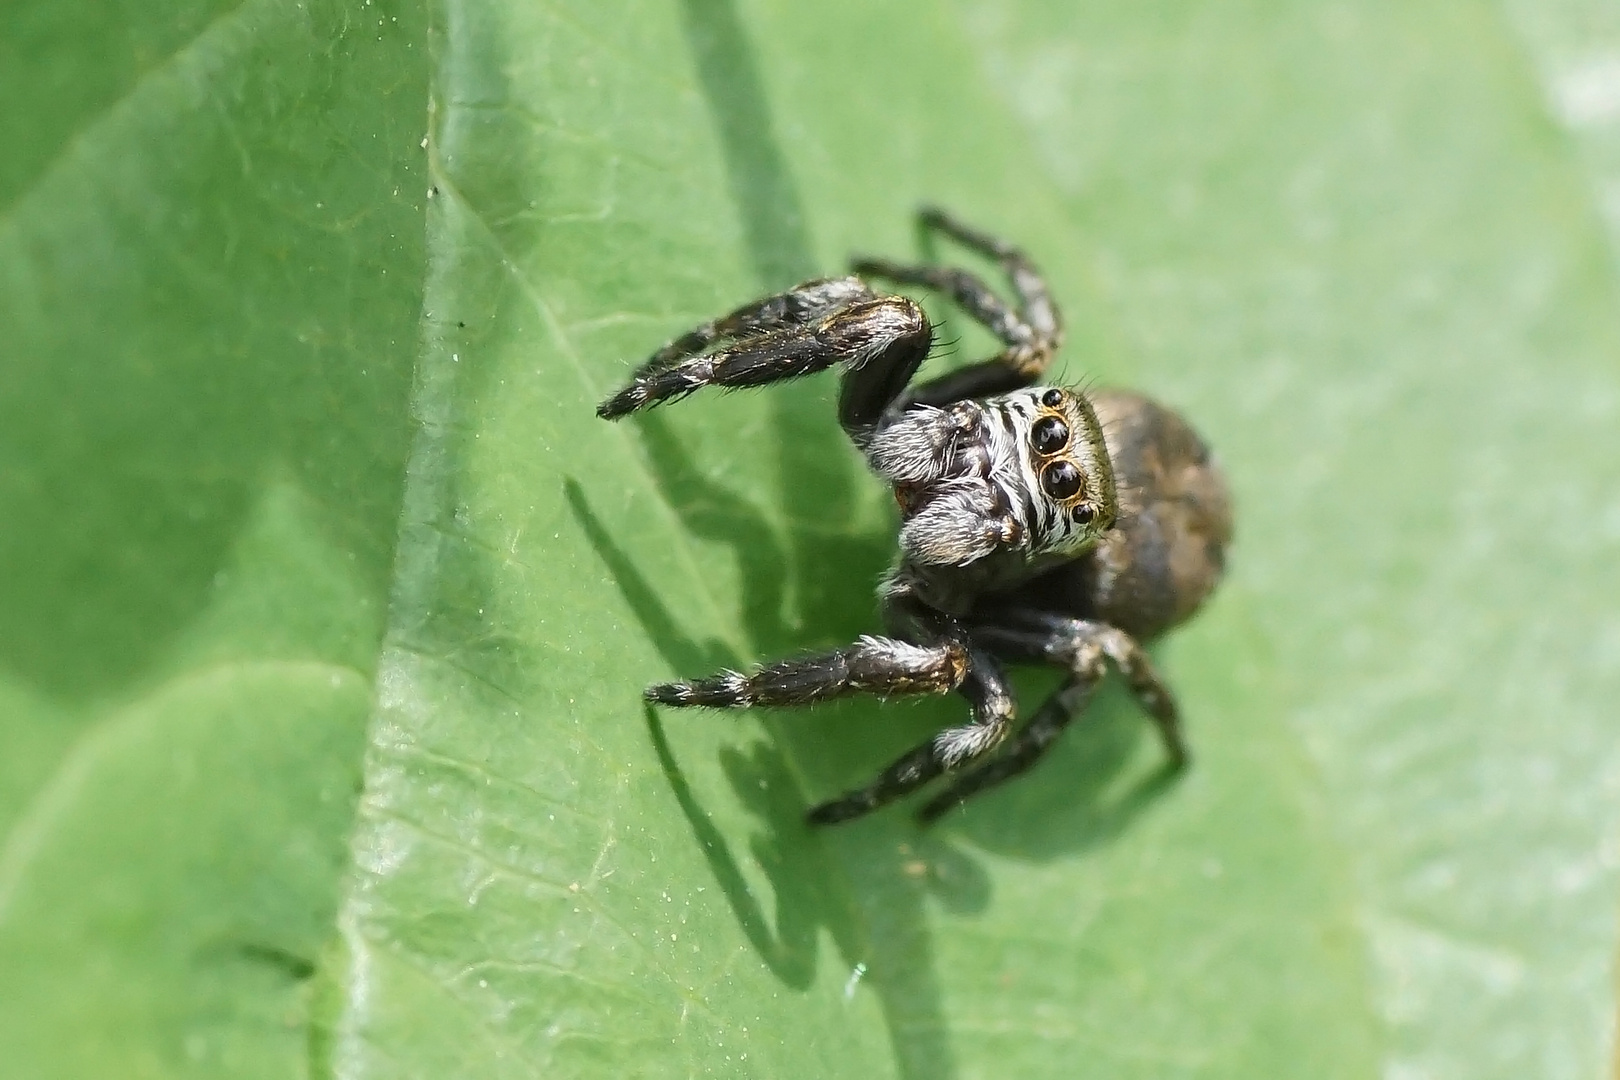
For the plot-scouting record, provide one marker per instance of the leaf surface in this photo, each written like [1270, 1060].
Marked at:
[211, 256]
[327, 505]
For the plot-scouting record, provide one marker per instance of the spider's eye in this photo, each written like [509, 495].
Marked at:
[1083, 514]
[1061, 480]
[1052, 398]
[1049, 435]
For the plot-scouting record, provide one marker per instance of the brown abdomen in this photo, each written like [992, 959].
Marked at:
[1168, 548]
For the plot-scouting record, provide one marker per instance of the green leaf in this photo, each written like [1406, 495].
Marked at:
[1300, 898]
[296, 496]
[211, 261]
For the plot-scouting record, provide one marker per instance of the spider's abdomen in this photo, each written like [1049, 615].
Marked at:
[1168, 549]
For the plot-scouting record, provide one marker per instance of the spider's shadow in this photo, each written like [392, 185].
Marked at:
[760, 774]
[879, 923]
[874, 917]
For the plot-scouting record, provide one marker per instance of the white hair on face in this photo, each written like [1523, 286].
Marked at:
[969, 480]
[1049, 526]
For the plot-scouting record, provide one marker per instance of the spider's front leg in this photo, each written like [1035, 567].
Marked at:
[880, 341]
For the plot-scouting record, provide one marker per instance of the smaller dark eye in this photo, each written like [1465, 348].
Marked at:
[1052, 398]
[1050, 435]
[1082, 514]
[1061, 480]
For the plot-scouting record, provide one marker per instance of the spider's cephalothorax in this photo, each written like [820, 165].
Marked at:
[1026, 472]
[1038, 524]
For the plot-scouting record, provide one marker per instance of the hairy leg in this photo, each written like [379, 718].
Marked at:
[1034, 298]
[873, 665]
[965, 290]
[993, 711]
[984, 379]
[799, 305]
[1085, 647]
[880, 342]
[984, 684]
[1031, 330]
[1022, 751]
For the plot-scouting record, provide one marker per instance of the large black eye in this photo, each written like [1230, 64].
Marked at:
[1049, 435]
[1061, 480]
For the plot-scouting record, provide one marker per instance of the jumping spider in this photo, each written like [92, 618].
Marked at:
[1037, 524]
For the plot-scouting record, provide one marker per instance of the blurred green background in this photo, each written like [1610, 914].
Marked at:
[325, 601]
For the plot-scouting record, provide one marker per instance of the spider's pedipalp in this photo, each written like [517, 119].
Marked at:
[960, 522]
[920, 446]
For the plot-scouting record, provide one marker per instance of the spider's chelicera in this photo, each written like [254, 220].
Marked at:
[1038, 524]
